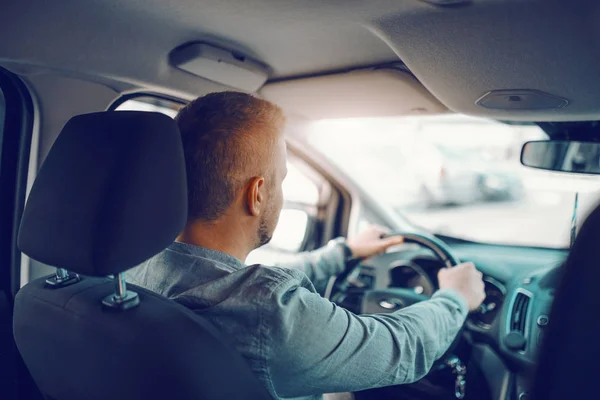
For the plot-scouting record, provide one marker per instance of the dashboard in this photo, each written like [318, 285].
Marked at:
[506, 330]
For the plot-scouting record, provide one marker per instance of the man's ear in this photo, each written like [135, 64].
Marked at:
[255, 195]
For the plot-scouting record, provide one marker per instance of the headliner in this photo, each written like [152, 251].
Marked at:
[458, 53]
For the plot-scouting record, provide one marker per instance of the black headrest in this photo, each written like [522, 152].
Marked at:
[111, 194]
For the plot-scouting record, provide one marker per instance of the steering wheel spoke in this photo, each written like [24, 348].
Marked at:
[389, 300]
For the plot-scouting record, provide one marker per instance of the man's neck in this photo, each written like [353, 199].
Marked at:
[217, 235]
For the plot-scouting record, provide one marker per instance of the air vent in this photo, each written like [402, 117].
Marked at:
[518, 318]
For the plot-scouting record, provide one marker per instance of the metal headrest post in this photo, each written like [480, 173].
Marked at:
[62, 278]
[122, 299]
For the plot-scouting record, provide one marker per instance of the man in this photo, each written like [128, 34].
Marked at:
[298, 343]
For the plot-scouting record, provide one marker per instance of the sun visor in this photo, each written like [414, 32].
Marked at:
[361, 93]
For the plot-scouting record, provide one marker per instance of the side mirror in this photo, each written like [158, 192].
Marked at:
[562, 155]
[291, 232]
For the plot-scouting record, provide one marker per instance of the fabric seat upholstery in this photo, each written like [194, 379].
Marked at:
[75, 349]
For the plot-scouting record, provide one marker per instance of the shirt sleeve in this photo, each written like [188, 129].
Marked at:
[319, 265]
[317, 347]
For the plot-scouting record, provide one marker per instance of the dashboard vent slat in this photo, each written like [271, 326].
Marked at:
[518, 318]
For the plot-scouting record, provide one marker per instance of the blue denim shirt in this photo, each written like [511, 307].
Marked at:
[299, 344]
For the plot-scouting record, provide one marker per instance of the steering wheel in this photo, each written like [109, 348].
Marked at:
[388, 300]
[439, 249]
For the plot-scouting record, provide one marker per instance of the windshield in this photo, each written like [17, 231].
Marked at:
[458, 176]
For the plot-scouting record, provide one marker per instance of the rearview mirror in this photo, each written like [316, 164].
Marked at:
[562, 155]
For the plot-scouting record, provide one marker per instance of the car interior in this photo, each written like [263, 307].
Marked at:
[470, 127]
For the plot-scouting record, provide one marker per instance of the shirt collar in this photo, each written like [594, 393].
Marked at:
[210, 254]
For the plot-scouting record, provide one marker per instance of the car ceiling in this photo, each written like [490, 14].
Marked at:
[458, 53]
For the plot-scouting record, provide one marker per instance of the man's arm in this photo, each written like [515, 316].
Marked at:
[317, 347]
[321, 264]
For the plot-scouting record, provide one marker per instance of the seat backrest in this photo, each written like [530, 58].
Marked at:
[111, 194]
[568, 358]
[75, 349]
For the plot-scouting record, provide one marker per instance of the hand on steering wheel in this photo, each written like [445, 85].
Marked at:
[393, 299]
[372, 241]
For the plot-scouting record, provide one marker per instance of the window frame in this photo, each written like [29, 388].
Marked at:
[15, 146]
[15, 151]
[335, 204]
[132, 96]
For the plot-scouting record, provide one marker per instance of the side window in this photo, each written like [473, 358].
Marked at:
[150, 103]
[301, 190]
[365, 219]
